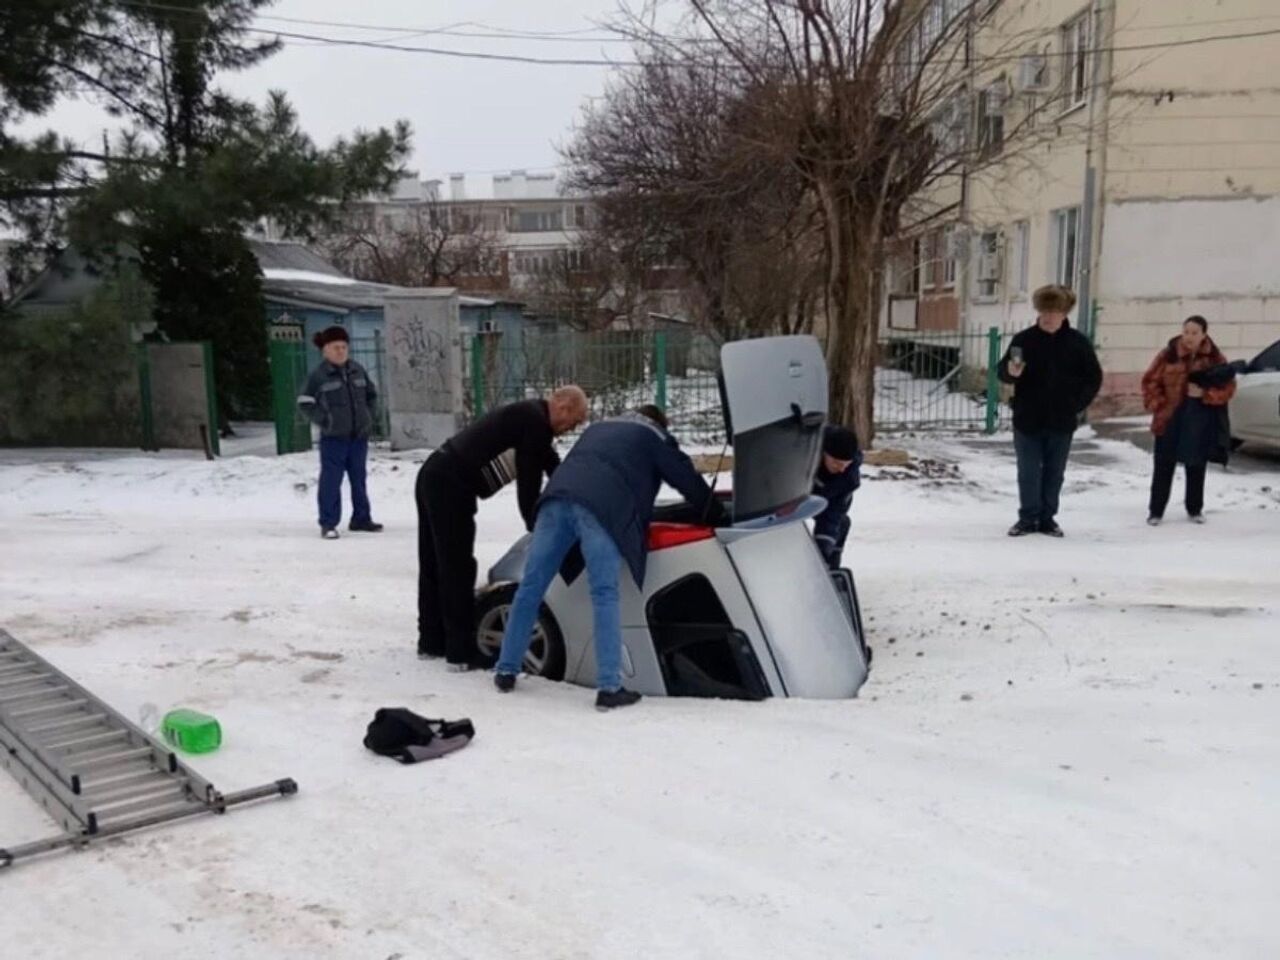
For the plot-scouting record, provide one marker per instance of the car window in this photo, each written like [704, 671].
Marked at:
[1268, 359]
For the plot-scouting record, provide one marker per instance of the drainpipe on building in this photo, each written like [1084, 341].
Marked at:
[963, 278]
[1086, 316]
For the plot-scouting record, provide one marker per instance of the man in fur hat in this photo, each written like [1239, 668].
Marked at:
[340, 399]
[1055, 376]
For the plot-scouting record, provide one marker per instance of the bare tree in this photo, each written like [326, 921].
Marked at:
[679, 189]
[867, 112]
[424, 245]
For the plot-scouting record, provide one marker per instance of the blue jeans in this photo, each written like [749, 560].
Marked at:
[1042, 463]
[339, 456]
[560, 525]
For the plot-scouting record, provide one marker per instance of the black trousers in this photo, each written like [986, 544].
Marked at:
[446, 561]
[1162, 486]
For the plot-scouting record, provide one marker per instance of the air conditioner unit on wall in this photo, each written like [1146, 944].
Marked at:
[1032, 74]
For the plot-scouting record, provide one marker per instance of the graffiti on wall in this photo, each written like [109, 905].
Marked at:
[421, 363]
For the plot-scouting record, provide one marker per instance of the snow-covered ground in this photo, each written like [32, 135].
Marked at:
[1066, 749]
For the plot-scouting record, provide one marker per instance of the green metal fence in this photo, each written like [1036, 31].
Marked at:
[370, 353]
[619, 370]
[925, 380]
[943, 380]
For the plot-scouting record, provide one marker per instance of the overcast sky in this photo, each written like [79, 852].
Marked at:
[467, 115]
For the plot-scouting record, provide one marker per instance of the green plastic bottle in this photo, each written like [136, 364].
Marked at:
[191, 731]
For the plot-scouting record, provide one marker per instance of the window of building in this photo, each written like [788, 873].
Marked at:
[538, 221]
[580, 215]
[949, 248]
[915, 282]
[988, 270]
[929, 259]
[990, 119]
[1022, 251]
[931, 25]
[1075, 60]
[1064, 246]
[950, 124]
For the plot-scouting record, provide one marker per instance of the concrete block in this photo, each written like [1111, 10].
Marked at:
[424, 367]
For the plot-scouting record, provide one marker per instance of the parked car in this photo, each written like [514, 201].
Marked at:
[746, 610]
[1255, 409]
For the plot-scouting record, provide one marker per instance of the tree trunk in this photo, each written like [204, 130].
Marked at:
[853, 319]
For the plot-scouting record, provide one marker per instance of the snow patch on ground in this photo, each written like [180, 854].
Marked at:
[1066, 748]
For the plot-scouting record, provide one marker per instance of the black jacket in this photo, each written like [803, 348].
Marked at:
[1060, 378]
[514, 442]
[616, 470]
[340, 400]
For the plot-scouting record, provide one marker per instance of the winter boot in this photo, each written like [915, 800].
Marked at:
[612, 699]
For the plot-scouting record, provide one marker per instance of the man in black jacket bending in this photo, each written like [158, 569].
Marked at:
[514, 442]
[1056, 375]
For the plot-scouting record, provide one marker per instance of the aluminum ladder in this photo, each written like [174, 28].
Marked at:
[96, 773]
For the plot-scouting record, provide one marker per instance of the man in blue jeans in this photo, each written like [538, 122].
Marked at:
[1055, 376]
[340, 399]
[601, 498]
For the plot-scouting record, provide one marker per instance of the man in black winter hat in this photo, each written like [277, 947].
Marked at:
[839, 475]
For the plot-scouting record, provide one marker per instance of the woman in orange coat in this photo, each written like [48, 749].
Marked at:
[1183, 419]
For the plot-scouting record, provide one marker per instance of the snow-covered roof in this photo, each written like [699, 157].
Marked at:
[288, 255]
[310, 276]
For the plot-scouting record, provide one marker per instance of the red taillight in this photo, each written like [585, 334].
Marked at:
[664, 535]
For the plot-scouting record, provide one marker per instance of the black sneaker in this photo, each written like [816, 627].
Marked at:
[329, 533]
[1051, 529]
[367, 527]
[505, 682]
[612, 699]
[1021, 529]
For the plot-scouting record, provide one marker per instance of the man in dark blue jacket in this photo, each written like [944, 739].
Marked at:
[839, 475]
[341, 400]
[601, 498]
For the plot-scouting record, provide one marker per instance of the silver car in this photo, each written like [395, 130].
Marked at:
[747, 610]
[1255, 409]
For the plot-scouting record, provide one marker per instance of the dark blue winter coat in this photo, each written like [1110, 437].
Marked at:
[616, 470]
[831, 526]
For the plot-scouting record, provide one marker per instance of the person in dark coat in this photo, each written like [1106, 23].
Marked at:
[602, 499]
[341, 400]
[1056, 375]
[839, 475]
[514, 442]
[1186, 390]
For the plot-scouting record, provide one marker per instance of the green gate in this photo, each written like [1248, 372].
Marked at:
[288, 377]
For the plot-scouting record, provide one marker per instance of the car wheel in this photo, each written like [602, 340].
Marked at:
[545, 657]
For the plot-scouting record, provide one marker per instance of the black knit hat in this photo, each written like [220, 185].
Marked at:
[841, 443]
[330, 335]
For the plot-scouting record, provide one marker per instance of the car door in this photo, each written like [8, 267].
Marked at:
[1255, 409]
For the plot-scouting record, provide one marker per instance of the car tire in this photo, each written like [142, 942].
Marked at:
[546, 656]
